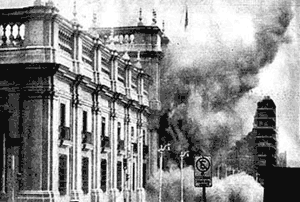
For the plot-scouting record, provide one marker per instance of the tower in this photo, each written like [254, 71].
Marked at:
[265, 134]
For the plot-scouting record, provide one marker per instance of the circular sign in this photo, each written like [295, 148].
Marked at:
[203, 164]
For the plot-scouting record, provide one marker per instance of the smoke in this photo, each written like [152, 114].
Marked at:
[207, 81]
[237, 187]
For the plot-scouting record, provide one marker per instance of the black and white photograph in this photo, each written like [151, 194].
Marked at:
[149, 100]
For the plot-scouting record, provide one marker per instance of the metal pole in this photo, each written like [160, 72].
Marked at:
[181, 177]
[160, 174]
[182, 155]
[204, 194]
[161, 151]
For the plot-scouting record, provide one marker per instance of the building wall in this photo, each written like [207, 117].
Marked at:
[70, 83]
[265, 136]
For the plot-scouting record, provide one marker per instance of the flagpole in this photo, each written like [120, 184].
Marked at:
[186, 21]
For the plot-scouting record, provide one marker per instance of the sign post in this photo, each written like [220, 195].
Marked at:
[203, 173]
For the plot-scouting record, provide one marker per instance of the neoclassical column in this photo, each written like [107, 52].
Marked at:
[75, 151]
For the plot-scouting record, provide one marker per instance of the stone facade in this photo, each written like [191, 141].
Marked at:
[76, 109]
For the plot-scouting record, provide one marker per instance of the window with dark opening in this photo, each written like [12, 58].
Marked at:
[84, 121]
[119, 175]
[133, 176]
[103, 127]
[62, 114]
[62, 170]
[85, 175]
[103, 174]
[119, 131]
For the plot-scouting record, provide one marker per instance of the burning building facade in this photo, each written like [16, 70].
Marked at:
[76, 123]
[265, 134]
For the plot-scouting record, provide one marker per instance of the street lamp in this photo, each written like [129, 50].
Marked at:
[161, 151]
[182, 155]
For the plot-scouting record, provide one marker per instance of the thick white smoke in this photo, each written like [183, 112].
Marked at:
[238, 187]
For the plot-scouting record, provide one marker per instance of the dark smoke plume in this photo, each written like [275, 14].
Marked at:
[200, 96]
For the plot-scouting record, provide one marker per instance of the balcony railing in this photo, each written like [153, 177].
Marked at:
[134, 147]
[87, 138]
[121, 145]
[87, 141]
[105, 143]
[64, 135]
[12, 34]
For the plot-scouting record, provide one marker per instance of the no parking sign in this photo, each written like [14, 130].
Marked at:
[203, 171]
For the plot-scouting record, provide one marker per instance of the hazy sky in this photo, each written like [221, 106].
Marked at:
[280, 79]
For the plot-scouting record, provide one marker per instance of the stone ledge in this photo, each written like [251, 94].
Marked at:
[35, 196]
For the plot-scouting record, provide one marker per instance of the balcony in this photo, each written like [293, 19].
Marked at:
[12, 34]
[87, 140]
[120, 145]
[105, 143]
[134, 147]
[64, 136]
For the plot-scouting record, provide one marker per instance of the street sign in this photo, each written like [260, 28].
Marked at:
[203, 171]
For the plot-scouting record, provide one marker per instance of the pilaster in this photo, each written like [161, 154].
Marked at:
[113, 153]
[96, 156]
[139, 158]
[127, 188]
[75, 151]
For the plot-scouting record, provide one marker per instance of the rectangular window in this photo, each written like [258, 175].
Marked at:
[119, 175]
[133, 176]
[62, 170]
[103, 127]
[121, 75]
[103, 174]
[120, 138]
[84, 121]
[146, 86]
[132, 132]
[119, 131]
[85, 175]
[62, 114]
[134, 80]
[106, 66]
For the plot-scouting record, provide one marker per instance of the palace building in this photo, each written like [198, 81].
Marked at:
[76, 108]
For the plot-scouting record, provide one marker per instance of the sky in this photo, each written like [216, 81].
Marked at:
[235, 24]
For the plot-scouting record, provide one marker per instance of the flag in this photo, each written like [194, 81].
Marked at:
[186, 22]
